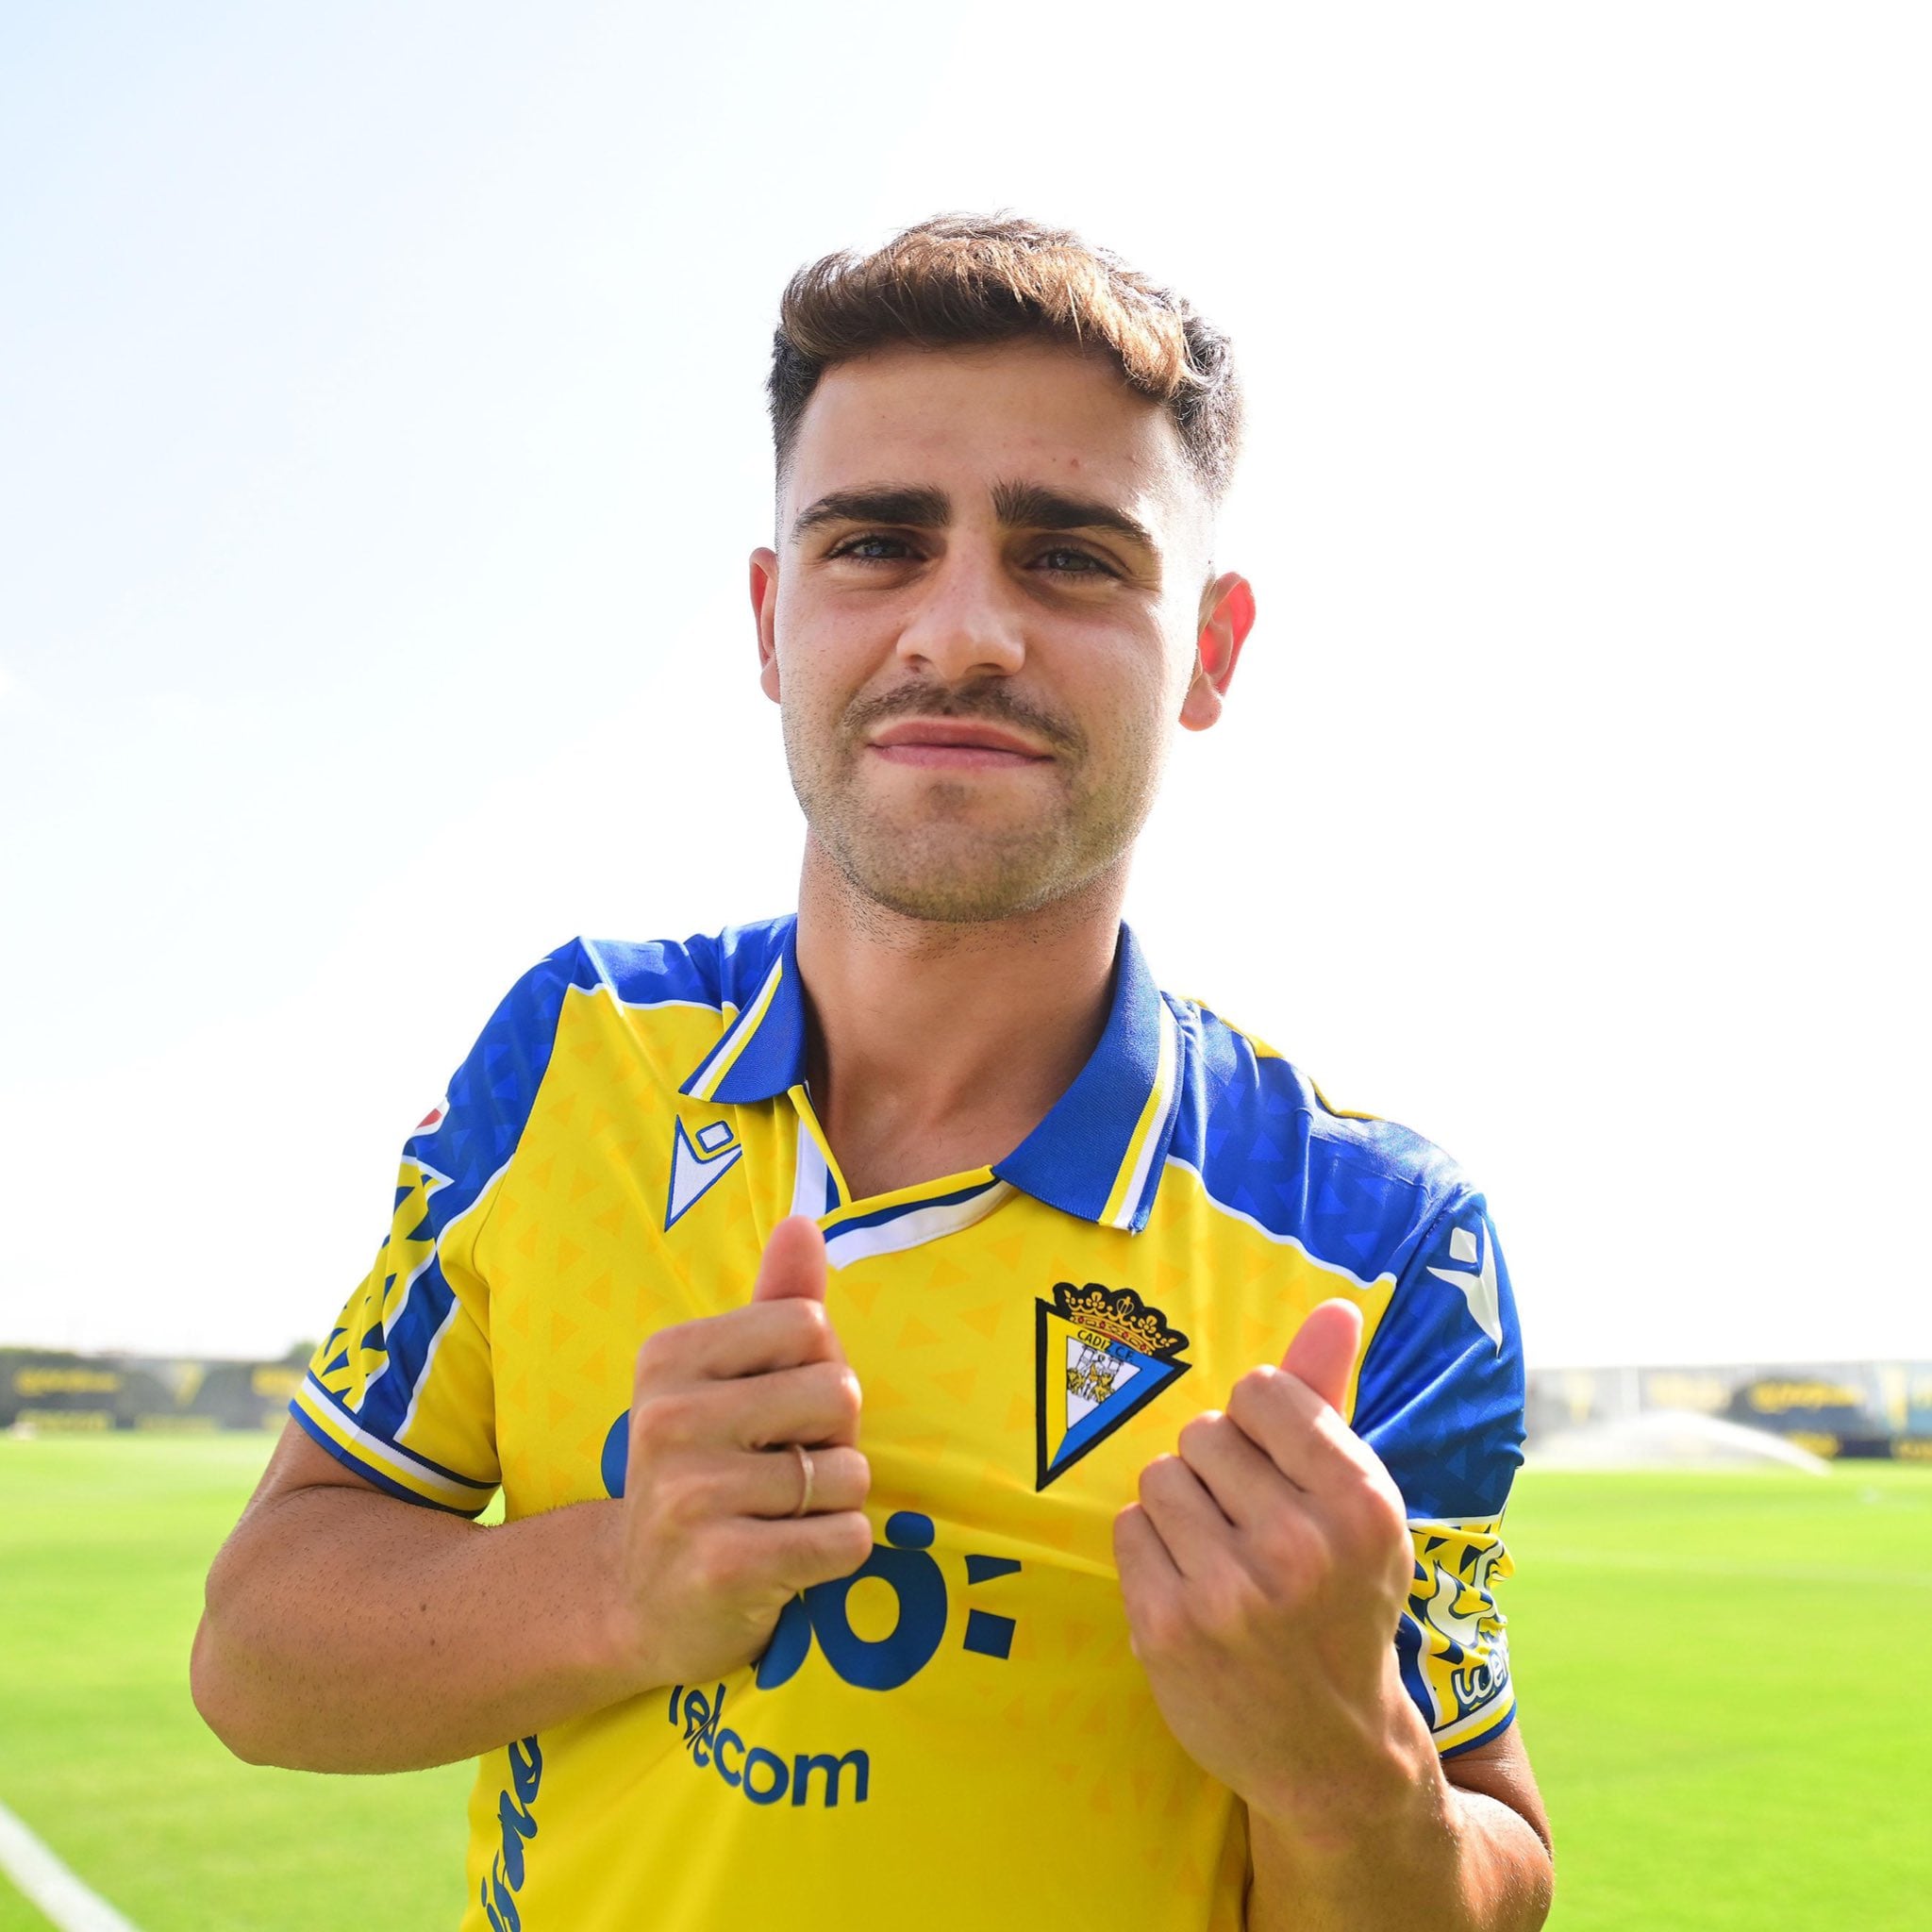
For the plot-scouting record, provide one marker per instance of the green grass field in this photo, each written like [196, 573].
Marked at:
[1724, 1685]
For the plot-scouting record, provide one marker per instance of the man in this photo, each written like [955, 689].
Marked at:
[873, 1319]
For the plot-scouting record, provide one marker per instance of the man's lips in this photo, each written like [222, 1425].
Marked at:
[955, 743]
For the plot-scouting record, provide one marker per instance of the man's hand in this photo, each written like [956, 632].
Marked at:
[1265, 1569]
[708, 1551]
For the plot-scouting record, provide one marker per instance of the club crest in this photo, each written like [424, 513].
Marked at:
[1100, 1355]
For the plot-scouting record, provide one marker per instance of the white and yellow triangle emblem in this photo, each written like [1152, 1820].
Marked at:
[698, 1165]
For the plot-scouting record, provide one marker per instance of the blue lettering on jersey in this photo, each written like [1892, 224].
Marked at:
[903, 1563]
[915, 1578]
[762, 1775]
[516, 1819]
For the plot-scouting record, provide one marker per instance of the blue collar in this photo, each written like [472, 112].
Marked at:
[1099, 1152]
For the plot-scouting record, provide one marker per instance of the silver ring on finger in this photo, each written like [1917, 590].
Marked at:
[805, 1473]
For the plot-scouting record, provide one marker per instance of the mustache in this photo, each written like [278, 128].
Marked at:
[990, 700]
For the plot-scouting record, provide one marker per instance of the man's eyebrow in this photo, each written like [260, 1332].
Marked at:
[1033, 507]
[910, 506]
[1018, 506]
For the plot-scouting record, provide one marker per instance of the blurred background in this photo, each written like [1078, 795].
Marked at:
[381, 440]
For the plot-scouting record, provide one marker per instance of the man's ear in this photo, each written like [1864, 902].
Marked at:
[1227, 614]
[765, 605]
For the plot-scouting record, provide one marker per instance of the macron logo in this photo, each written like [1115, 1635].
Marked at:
[1478, 1289]
[697, 1166]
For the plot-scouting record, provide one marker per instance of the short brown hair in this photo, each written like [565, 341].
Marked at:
[960, 280]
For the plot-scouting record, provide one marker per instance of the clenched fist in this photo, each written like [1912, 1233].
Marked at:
[1264, 1570]
[705, 1549]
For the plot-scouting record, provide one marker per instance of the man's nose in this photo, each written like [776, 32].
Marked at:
[969, 623]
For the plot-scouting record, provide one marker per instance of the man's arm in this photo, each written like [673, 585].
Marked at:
[346, 1630]
[1468, 1847]
[1263, 1568]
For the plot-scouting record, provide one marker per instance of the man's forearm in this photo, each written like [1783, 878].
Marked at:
[1455, 1860]
[347, 1631]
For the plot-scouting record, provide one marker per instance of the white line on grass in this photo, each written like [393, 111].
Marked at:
[50, 1885]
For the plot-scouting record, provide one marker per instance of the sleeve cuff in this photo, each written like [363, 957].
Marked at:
[1479, 1726]
[395, 1470]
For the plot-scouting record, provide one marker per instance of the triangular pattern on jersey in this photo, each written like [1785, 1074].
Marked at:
[1100, 1357]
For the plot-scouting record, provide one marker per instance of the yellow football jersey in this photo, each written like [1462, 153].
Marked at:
[957, 1733]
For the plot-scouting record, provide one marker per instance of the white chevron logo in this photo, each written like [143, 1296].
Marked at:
[1478, 1289]
[696, 1167]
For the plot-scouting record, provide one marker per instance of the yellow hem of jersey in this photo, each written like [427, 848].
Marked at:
[383, 1459]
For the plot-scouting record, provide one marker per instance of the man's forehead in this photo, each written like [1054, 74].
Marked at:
[965, 421]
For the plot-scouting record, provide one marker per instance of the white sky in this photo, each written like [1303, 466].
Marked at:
[381, 436]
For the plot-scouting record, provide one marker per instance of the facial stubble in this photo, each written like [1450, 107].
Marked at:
[931, 860]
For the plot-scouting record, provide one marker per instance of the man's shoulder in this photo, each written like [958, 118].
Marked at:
[715, 970]
[704, 969]
[640, 985]
[1266, 1141]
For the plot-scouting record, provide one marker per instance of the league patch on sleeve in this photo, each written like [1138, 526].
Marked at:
[1454, 1655]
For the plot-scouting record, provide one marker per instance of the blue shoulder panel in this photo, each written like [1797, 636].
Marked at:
[727, 968]
[658, 972]
[1440, 1390]
[458, 1150]
[744, 956]
[1354, 1191]
[1439, 1397]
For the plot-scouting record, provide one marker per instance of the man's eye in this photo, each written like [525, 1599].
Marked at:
[1065, 562]
[871, 549]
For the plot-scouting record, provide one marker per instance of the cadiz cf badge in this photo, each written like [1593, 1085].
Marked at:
[1101, 1357]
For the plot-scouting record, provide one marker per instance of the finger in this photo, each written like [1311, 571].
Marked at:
[708, 1488]
[768, 1484]
[814, 1404]
[751, 1340]
[1298, 1430]
[793, 1264]
[1147, 1571]
[813, 1549]
[1189, 1521]
[772, 1482]
[1323, 1350]
[1239, 1475]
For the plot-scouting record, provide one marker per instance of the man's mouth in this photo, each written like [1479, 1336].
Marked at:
[956, 745]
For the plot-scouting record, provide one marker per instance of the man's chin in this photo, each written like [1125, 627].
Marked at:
[935, 881]
[949, 902]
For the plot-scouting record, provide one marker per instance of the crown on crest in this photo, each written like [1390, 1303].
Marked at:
[1119, 1314]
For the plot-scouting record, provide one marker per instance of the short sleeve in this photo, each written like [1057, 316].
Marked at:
[1440, 1400]
[402, 1391]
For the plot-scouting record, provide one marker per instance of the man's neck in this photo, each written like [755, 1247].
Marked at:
[937, 1047]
